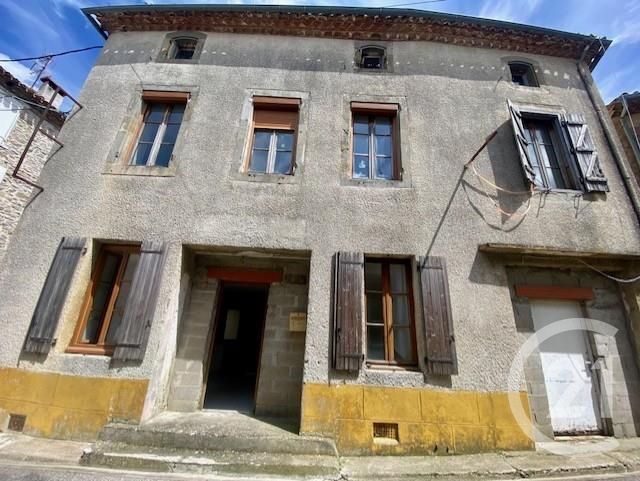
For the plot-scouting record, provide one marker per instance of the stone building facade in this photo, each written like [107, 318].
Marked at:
[625, 114]
[277, 214]
[18, 121]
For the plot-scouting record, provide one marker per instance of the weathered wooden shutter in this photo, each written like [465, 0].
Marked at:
[53, 295]
[521, 142]
[133, 332]
[440, 357]
[347, 312]
[585, 154]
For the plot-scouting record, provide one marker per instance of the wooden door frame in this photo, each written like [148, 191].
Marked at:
[238, 278]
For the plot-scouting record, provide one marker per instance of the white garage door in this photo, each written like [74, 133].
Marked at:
[565, 363]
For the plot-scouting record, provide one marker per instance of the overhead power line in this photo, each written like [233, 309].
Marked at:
[50, 55]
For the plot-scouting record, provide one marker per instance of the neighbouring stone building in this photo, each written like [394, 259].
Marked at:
[625, 114]
[20, 110]
[351, 217]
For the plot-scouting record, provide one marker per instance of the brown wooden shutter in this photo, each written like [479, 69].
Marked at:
[347, 314]
[521, 142]
[133, 332]
[53, 295]
[440, 357]
[585, 154]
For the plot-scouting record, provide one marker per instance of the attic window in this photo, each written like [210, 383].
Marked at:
[183, 48]
[522, 74]
[372, 58]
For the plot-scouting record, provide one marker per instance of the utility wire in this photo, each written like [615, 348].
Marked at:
[51, 55]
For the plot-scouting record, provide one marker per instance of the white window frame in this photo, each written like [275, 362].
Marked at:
[273, 150]
[9, 106]
[157, 141]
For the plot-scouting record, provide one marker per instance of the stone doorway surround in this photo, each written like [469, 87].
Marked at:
[282, 359]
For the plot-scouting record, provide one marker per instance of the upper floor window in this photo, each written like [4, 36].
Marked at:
[273, 135]
[543, 144]
[375, 141]
[158, 129]
[556, 150]
[183, 48]
[522, 74]
[372, 57]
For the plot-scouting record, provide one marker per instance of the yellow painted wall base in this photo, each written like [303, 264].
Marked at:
[69, 407]
[429, 421]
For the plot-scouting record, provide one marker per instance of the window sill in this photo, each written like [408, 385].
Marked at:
[187, 61]
[377, 183]
[389, 367]
[267, 178]
[142, 170]
[90, 349]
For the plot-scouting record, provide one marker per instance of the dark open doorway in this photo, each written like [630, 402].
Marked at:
[236, 346]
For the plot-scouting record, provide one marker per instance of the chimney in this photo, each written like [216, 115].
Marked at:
[47, 89]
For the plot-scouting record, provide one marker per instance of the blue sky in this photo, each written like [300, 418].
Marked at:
[37, 27]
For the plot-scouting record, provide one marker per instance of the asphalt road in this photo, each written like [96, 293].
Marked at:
[28, 472]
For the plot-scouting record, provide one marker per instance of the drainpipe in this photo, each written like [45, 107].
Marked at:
[609, 133]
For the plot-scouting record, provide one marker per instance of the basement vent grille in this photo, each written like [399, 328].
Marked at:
[385, 431]
[16, 422]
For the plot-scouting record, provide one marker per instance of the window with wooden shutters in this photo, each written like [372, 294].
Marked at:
[440, 358]
[131, 334]
[45, 318]
[274, 129]
[389, 312]
[105, 299]
[347, 313]
[585, 154]
[556, 151]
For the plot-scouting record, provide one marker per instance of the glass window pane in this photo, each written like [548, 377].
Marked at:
[156, 113]
[361, 124]
[101, 296]
[374, 308]
[164, 155]
[361, 144]
[170, 134]
[373, 276]
[360, 167]
[402, 345]
[398, 273]
[261, 139]
[375, 343]
[123, 295]
[141, 154]
[400, 308]
[283, 163]
[259, 161]
[177, 111]
[383, 126]
[149, 132]
[284, 141]
[384, 146]
[384, 168]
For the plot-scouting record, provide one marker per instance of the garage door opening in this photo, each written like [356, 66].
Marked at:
[234, 364]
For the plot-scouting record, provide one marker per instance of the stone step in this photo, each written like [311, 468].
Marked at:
[211, 440]
[118, 456]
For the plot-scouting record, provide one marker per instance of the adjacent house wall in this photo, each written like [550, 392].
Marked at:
[452, 98]
[14, 193]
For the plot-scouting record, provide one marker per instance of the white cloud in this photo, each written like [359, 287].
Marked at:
[18, 70]
[509, 10]
[613, 84]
